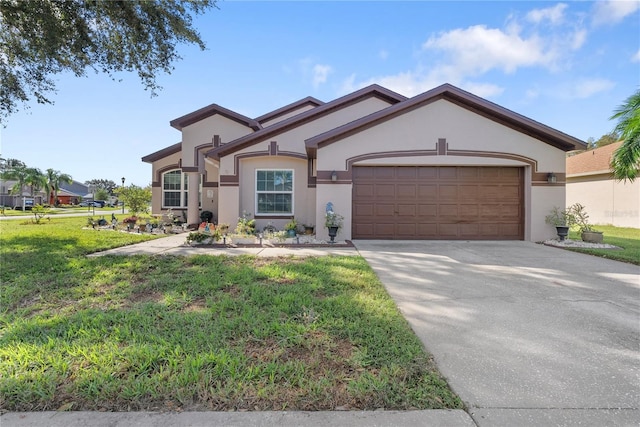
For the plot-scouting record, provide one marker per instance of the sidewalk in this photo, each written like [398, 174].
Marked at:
[175, 245]
[444, 418]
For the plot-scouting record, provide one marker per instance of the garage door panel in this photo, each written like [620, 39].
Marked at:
[448, 211]
[427, 191]
[406, 191]
[438, 202]
[385, 191]
[448, 231]
[384, 173]
[406, 230]
[468, 230]
[427, 211]
[385, 210]
[406, 210]
[363, 190]
[385, 230]
[447, 192]
[447, 173]
[363, 209]
[469, 211]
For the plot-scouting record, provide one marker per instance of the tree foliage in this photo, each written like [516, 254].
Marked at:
[42, 38]
[54, 179]
[626, 159]
[137, 199]
[103, 184]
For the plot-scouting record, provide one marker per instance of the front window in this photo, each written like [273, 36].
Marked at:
[274, 192]
[175, 189]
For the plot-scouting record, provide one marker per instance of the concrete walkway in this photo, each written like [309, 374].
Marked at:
[174, 245]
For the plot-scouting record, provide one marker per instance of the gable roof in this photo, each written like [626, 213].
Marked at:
[209, 111]
[461, 98]
[593, 161]
[308, 101]
[306, 117]
[160, 154]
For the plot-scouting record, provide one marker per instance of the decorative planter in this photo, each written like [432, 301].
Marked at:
[563, 232]
[291, 233]
[592, 236]
[333, 232]
[308, 230]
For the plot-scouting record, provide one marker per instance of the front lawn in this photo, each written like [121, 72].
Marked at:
[626, 238]
[202, 332]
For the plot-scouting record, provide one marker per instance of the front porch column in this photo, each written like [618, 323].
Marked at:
[193, 205]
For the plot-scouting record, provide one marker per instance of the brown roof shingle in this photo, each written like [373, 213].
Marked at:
[596, 160]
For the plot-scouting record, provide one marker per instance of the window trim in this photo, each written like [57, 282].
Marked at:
[257, 193]
[184, 182]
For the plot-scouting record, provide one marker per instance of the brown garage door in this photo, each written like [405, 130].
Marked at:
[437, 202]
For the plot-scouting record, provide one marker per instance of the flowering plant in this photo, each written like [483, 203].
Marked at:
[332, 219]
[130, 220]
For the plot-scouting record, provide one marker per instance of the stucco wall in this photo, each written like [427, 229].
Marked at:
[293, 140]
[303, 198]
[606, 200]
[156, 191]
[420, 129]
[286, 116]
[202, 132]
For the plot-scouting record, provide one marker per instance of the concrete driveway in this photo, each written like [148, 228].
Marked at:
[525, 334]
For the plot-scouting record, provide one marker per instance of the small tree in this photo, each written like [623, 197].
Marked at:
[136, 198]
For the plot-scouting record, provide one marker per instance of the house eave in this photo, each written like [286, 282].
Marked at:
[160, 154]
[461, 98]
[211, 110]
[306, 117]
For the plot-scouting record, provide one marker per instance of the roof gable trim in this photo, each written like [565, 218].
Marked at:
[211, 110]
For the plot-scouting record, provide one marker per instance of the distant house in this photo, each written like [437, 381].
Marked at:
[68, 194]
[445, 164]
[591, 183]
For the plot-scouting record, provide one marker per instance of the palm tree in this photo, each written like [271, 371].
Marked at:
[16, 172]
[36, 180]
[54, 179]
[626, 159]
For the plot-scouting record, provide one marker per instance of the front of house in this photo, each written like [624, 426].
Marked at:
[444, 164]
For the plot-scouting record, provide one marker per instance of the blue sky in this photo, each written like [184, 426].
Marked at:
[565, 64]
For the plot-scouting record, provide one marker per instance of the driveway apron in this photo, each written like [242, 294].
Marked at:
[525, 334]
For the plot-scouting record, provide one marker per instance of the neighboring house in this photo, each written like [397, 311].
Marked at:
[591, 183]
[72, 193]
[445, 164]
[68, 194]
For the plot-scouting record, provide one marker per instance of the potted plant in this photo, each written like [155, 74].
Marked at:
[581, 219]
[130, 222]
[562, 220]
[333, 222]
[291, 227]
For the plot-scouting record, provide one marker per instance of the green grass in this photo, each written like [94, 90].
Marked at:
[201, 332]
[626, 238]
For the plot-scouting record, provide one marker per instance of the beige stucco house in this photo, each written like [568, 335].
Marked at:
[444, 164]
[606, 200]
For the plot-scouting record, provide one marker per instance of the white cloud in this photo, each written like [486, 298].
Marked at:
[636, 57]
[463, 56]
[584, 88]
[320, 73]
[555, 14]
[613, 11]
[479, 49]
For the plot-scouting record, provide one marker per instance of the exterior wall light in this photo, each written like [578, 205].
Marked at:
[551, 178]
[334, 176]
